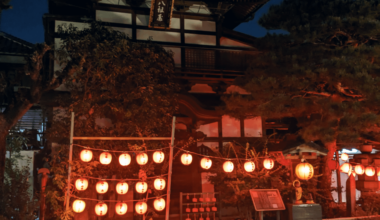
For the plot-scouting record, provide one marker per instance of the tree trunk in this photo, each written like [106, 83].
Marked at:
[326, 180]
[3, 136]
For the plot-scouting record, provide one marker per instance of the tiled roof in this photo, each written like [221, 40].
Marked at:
[15, 46]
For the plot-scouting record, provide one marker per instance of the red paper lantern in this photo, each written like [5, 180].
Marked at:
[345, 168]
[159, 204]
[141, 208]
[101, 209]
[141, 187]
[81, 184]
[304, 171]
[268, 163]
[101, 187]
[186, 159]
[228, 166]
[142, 158]
[159, 184]
[121, 208]
[124, 159]
[249, 166]
[344, 156]
[158, 157]
[105, 158]
[359, 169]
[206, 163]
[122, 188]
[79, 206]
[370, 171]
[86, 155]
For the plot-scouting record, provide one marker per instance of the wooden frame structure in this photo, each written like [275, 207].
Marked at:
[72, 138]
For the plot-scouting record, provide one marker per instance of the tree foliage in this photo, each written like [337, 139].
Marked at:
[125, 89]
[325, 73]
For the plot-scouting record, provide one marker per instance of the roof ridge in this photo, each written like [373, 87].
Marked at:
[17, 40]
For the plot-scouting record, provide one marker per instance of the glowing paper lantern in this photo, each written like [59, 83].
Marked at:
[186, 159]
[159, 184]
[105, 158]
[79, 206]
[101, 187]
[304, 171]
[81, 184]
[159, 204]
[359, 169]
[228, 166]
[344, 156]
[141, 187]
[345, 168]
[101, 209]
[86, 155]
[268, 163]
[206, 163]
[370, 171]
[158, 157]
[122, 188]
[124, 159]
[249, 166]
[142, 158]
[121, 208]
[141, 208]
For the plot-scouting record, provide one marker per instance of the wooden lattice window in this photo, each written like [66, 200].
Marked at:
[200, 59]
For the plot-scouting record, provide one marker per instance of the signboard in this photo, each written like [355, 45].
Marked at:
[267, 199]
[161, 13]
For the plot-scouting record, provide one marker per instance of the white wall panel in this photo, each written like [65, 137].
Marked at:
[175, 23]
[198, 25]
[224, 41]
[200, 39]
[126, 31]
[79, 25]
[114, 17]
[114, 2]
[158, 35]
[142, 20]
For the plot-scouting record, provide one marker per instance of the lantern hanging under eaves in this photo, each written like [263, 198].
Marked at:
[344, 156]
[249, 166]
[141, 187]
[142, 158]
[141, 208]
[81, 184]
[158, 157]
[359, 169]
[159, 184]
[121, 208]
[79, 206]
[122, 188]
[370, 171]
[124, 159]
[101, 209]
[268, 163]
[105, 158]
[304, 171]
[86, 155]
[101, 187]
[345, 168]
[228, 166]
[206, 163]
[186, 159]
[159, 204]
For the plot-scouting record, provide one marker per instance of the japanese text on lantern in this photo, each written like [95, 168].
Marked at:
[161, 13]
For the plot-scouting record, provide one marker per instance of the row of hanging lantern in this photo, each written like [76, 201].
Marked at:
[121, 208]
[102, 186]
[105, 158]
[357, 169]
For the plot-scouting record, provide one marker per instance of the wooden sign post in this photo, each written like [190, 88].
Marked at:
[161, 13]
[267, 200]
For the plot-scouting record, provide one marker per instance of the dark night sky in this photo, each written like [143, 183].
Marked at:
[25, 20]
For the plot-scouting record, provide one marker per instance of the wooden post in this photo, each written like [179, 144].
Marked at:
[44, 179]
[351, 196]
[70, 160]
[180, 206]
[170, 172]
[261, 215]
[339, 184]
[278, 215]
